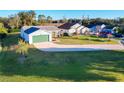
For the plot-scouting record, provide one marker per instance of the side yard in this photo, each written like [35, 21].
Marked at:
[66, 66]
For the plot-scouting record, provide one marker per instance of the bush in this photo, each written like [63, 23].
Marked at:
[15, 30]
[3, 35]
[65, 34]
[22, 47]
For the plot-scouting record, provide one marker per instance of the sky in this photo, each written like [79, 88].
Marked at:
[59, 14]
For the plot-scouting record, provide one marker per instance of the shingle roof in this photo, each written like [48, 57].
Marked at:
[67, 25]
[31, 30]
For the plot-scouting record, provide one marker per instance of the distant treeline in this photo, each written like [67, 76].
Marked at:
[23, 18]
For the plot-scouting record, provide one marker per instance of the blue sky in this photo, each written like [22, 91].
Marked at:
[59, 14]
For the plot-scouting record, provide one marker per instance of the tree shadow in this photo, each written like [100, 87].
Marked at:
[69, 66]
[11, 39]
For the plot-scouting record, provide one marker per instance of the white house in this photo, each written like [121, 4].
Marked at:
[69, 28]
[72, 28]
[85, 30]
[36, 34]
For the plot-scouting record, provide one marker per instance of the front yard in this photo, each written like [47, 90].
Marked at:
[85, 40]
[66, 66]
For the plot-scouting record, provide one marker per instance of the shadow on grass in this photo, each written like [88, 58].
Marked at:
[70, 66]
[11, 39]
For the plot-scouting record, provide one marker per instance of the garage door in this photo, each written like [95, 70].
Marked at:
[40, 38]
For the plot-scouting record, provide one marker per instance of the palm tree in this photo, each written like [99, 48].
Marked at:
[22, 50]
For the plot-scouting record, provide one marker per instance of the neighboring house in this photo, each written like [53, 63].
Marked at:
[85, 31]
[36, 34]
[96, 28]
[74, 27]
[68, 27]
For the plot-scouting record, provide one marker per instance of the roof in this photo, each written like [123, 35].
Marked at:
[31, 30]
[96, 24]
[49, 28]
[52, 24]
[67, 25]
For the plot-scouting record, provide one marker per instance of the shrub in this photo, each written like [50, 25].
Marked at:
[14, 30]
[22, 47]
[65, 34]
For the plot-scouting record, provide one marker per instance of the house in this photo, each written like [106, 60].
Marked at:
[96, 28]
[73, 27]
[83, 30]
[36, 34]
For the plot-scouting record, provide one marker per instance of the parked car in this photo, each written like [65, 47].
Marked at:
[122, 41]
[104, 34]
[118, 35]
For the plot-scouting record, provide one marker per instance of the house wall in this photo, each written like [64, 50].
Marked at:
[23, 29]
[22, 32]
[71, 31]
[79, 29]
[40, 32]
[26, 37]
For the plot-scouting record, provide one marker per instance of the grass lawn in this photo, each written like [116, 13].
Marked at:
[68, 66]
[85, 40]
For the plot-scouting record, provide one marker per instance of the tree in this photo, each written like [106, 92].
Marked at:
[120, 30]
[14, 21]
[23, 18]
[31, 17]
[85, 20]
[65, 20]
[26, 18]
[4, 20]
[49, 19]
[3, 32]
[42, 19]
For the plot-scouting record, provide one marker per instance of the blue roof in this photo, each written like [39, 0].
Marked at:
[31, 30]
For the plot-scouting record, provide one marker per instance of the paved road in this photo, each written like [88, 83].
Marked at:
[52, 47]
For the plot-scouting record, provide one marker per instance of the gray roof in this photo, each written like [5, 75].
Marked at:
[49, 28]
[31, 29]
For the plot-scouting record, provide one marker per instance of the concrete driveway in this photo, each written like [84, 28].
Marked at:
[52, 47]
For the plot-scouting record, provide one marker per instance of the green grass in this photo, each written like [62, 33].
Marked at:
[85, 40]
[11, 39]
[66, 66]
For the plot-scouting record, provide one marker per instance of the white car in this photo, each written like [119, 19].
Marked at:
[122, 41]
